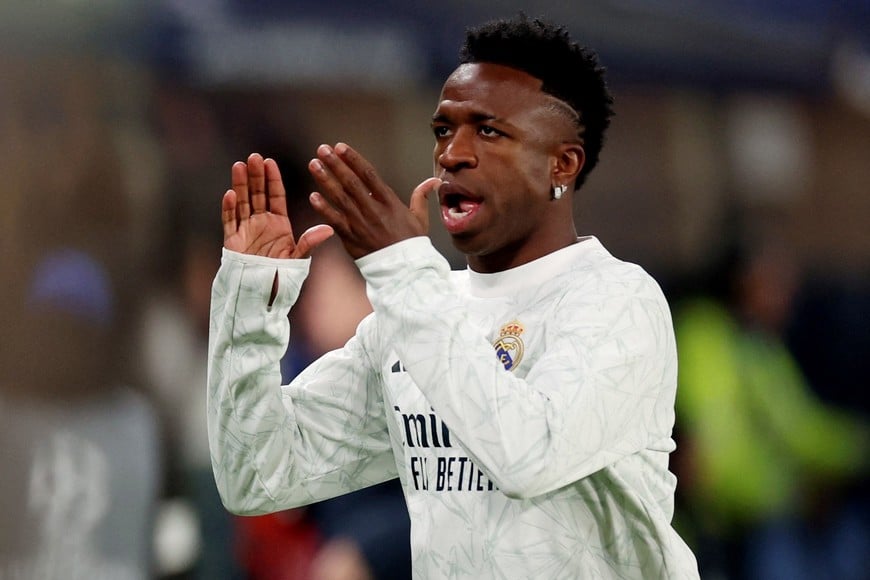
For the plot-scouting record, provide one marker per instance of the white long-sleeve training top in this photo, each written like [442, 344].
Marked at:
[527, 413]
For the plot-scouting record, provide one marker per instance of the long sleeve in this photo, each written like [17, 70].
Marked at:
[603, 389]
[275, 447]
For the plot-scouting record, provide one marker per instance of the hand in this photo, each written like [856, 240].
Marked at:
[340, 559]
[365, 212]
[257, 187]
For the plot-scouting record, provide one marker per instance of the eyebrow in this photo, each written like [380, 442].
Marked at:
[475, 117]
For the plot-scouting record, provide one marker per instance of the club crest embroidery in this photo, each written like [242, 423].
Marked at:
[509, 346]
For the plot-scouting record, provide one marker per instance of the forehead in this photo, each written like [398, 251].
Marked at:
[492, 89]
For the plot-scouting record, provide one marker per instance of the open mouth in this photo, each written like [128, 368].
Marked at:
[458, 205]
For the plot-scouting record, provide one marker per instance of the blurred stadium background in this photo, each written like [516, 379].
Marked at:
[738, 123]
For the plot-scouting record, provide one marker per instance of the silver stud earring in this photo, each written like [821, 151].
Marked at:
[559, 191]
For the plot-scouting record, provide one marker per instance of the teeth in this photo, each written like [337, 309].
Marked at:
[456, 212]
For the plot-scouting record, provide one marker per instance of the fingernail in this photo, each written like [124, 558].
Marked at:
[341, 148]
[324, 150]
[316, 165]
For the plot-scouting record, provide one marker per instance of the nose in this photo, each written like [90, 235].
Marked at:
[458, 152]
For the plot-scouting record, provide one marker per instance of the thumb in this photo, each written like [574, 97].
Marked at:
[311, 238]
[420, 197]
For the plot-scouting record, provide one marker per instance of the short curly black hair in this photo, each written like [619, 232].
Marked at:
[567, 71]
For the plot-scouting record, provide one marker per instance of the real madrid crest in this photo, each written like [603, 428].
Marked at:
[509, 346]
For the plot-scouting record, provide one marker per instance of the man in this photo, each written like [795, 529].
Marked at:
[526, 403]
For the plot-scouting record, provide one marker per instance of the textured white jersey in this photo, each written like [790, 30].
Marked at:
[527, 413]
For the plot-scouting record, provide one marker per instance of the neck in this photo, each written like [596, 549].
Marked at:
[519, 253]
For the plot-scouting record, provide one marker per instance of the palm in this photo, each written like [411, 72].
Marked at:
[254, 214]
[263, 234]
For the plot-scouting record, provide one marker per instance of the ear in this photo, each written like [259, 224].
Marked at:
[569, 159]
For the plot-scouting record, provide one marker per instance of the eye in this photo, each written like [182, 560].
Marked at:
[488, 131]
[440, 131]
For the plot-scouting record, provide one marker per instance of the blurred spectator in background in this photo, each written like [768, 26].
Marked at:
[197, 541]
[196, 538]
[762, 459]
[79, 449]
[78, 437]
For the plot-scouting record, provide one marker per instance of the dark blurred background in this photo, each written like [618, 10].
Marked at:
[736, 171]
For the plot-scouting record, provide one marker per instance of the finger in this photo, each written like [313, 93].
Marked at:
[328, 212]
[313, 237]
[275, 187]
[364, 171]
[331, 191]
[240, 186]
[257, 182]
[352, 184]
[419, 200]
[228, 214]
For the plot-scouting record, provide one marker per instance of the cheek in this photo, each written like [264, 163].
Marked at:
[529, 180]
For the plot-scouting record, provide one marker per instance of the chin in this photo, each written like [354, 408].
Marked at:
[465, 244]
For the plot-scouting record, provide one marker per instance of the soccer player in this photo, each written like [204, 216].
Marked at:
[526, 403]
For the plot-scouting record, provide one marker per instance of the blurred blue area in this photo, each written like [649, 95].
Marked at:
[713, 43]
[767, 43]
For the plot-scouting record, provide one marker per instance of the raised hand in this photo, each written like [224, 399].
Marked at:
[365, 212]
[254, 214]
